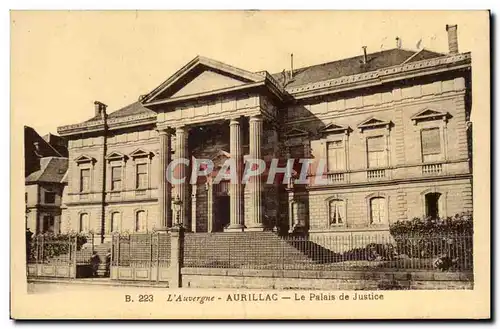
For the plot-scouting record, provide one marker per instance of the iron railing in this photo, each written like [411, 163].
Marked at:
[141, 250]
[340, 252]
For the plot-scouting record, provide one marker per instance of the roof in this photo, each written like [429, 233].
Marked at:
[316, 73]
[131, 109]
[354, 65]
[53, 170]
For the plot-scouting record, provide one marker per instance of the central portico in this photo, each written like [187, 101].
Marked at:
[206, 94]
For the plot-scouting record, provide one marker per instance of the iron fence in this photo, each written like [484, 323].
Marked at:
[141, 250]
[375, 252]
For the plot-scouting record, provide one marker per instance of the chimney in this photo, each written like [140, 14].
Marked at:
[365, 59]
[398, 42]
[100, 109]
[452, 38]
[291, 66]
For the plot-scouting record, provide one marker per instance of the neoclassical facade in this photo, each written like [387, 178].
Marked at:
[391, 127]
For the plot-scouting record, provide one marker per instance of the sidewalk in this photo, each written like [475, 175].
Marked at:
[99, 282]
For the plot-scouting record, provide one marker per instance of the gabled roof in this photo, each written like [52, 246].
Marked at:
[52, 170]
[194, 68]
[354, 65]
[131, 109]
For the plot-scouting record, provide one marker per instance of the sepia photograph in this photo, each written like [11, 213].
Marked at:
[179, 162]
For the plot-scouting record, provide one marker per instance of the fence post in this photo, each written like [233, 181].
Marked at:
[176, 254]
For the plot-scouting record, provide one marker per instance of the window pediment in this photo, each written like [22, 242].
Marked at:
[140, 153]
[373, 123]
[429, 114]
[116, 156]
[85, 159]
[295, 132]
[333, 128]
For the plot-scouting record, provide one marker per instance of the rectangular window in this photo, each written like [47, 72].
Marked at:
[377, 211]
[431, 144]
[142, 176]
[116, 178]
[377, 153]
[50, 197]
[336, 155]
[84, 180]
[48, 224]
[337, 212]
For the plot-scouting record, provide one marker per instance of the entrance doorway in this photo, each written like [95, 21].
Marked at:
[222, 213]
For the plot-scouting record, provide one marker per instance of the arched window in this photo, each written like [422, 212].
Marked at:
[337, 215]
[84, 224]
[140, 221]
[115, 224]
[432, 205]
[378, 211]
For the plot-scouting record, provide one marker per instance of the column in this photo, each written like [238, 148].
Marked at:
[181, 151]
[164, 186]
[235, 188]
[255, 182]
[194, 194]
[210, 211]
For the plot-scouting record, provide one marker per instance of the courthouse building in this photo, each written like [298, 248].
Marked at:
[392, 127]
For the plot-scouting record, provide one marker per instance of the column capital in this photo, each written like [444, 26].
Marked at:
[235, 120]
[165, 130]
[256, 117]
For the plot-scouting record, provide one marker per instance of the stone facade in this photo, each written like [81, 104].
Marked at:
[394, 136]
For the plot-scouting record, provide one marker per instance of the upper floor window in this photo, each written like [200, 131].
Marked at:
[378, 213]
[431, 144]
[116, 178]
[141, 176]
[377, 152]
[337, 212]
[335, 155]
[50, 197]
[84, 179]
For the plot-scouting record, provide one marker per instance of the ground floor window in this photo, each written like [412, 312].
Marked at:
[115, 222]
[337, 212]
[432, 205]
[84, 224]
[140, 221]
[48, 224]
[378, 213]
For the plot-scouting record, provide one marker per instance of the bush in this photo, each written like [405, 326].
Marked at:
[425, 238]
[372, 251]
[55, 245]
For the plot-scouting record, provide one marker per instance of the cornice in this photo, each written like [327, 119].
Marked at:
[113, 123]
[379, 76]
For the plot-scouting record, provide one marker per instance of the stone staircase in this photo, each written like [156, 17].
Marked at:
[258, 250]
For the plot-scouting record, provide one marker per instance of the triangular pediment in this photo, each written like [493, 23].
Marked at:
[140, 153]
[333, 128]
[429, 114]
[115, 156]
[200, 76]
[373, 123]
[84, 159]
[296, 132]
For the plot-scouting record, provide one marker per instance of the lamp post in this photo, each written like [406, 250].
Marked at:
[177, 207]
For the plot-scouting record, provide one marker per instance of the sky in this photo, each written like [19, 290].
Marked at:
[62, 61]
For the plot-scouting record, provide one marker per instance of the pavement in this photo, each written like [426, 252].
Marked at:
[51, 284]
